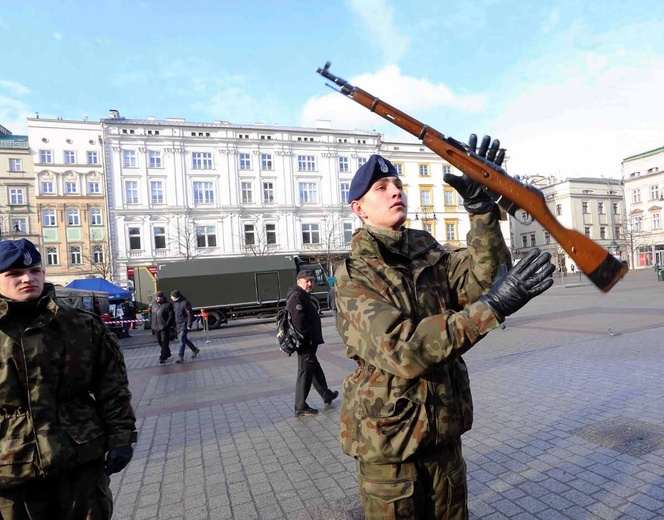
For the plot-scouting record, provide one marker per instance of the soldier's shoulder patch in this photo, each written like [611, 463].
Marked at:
[298, 307]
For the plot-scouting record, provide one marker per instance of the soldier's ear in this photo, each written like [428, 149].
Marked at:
[356, 207]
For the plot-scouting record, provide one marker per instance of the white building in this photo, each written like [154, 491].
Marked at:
[592, 206]
[643, 177]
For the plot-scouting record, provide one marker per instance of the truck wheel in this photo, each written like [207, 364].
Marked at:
[216, 319]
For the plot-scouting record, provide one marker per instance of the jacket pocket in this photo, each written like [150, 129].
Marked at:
[387, 492]
[83, 427]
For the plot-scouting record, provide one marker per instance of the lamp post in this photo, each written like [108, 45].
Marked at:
[613, 245]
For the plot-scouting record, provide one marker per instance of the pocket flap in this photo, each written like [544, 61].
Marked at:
[388, 492]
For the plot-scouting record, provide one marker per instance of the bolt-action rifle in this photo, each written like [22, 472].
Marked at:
[601, 267]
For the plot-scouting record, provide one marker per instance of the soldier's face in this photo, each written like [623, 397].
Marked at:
[22, 285]
[384, 206]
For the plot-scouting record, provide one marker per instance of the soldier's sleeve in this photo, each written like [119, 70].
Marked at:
[471, 270]
[111, 389]
[374, 328]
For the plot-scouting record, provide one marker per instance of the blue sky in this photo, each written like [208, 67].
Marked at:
[571, 88]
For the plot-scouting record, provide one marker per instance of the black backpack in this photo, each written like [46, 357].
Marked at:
[289, 339]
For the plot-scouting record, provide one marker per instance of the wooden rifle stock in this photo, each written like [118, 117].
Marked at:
[601, 267]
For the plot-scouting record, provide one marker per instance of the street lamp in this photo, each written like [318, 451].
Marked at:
[613, 245]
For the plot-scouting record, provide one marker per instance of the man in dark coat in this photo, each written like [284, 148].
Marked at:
[184, 320]
[163, 321]
[306, 320]
[64, 399]
[128, 314]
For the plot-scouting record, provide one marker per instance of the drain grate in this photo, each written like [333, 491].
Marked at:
[625, 435]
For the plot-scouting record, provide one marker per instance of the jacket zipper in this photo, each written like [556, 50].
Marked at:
[40, 463]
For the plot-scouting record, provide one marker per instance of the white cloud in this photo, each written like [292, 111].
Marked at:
[14, 88]
[406, 93]
[57, 36]
[13, 114]
[604, 107]
[377, 18]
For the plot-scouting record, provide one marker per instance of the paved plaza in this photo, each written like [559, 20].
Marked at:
[569, 419]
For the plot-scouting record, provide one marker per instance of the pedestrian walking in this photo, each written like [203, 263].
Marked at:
[184, 320]
[66, 416]
[162, 324]
[128, 315]
[407, 308]
[306, 320]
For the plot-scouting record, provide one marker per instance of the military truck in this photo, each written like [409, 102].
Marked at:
[231, 288]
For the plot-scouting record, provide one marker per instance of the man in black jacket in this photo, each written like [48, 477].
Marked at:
[306, 320]
[163, 320]
[184, 319]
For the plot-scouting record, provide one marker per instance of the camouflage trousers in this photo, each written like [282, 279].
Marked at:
[81, 493]
[431, 486]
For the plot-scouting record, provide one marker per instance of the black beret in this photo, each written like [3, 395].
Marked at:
[18, 254]
[375, 168]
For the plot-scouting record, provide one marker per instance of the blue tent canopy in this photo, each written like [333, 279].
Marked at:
[99, 284]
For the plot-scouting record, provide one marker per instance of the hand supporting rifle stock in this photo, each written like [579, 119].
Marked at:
[601, 267]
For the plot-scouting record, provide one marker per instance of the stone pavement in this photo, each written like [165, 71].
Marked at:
[569, 419]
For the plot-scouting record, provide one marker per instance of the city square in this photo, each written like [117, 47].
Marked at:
[569, 418]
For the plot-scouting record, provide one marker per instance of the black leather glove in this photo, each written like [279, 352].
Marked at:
[512, 289]
[118, 458]
[476, 200]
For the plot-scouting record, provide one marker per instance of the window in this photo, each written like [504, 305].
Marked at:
[584, 208]
[245, 161]
[97, 254]
[203, 193]
[94, 188]
[206, 236]
[154, 159]
[636, 195]
[93, 158]
[45, 156]
[19, 225]
[310, 234]
[616, 232]
[266, 161]
[308, 192]
[638, 223]
[131, 192]
[586, 231]
[129, 158]
[447, 169]
[427, 226]
[268, 192]
[134, 238]
[615, 208]
[75, 257]
[70, 157]
[249, 235]
[71, 187]
[449, 197]
[49, 217]
[247, 192]
[600, 208]
[15, 165]
[345, 191]
[306, 163]
[398, 167]
[450, 232]
[559, 209]
[95, 217]
[656, 222]
[348, 232]
[361, 161]
[532, 240]
[524, 240]
[654, 192]
[547, 237]
[344, 166]
[73, 217]
[16, 196]
[159, 234]
[425, 197]
[270, 234]
[47, 187]
[424, 170]
[602, 232]
[52, 256]
[201, 160]
[157, 192]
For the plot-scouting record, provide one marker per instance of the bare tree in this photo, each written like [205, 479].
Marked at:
[256, 240]
[632, 236]
[332, 244]
[186, 236]
[97, 262]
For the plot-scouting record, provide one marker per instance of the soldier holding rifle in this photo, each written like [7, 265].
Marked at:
[408, 308]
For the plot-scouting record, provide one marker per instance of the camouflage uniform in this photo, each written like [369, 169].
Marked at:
[64, 402]
[407, 309]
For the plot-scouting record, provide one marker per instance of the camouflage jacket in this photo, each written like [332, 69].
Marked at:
[64, 396]
[407, 308]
